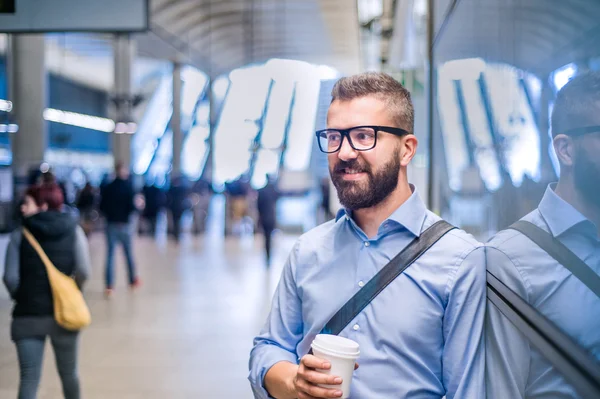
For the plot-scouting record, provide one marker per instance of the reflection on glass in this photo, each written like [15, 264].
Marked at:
[545, 273]
[474, 96]
[515, 368]
[562, 75]
[514, 121]
[485, 153]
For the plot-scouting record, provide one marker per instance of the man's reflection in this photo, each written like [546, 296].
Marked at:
[569, 211]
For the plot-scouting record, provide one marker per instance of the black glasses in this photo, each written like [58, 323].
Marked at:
[578, 131]
[360, 138]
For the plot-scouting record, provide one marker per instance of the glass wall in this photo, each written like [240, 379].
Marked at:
[498, 68]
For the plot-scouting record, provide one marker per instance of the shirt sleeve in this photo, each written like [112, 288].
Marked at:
[282, 332]
[83, 264]
[463, 357]
[11, 265]
[507, 350]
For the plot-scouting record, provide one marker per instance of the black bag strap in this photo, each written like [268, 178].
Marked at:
[561, 253]
[385, 276]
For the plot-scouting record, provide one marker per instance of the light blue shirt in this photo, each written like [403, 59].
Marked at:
[422, 337]
[514, 368]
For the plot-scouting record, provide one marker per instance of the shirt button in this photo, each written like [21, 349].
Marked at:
[367, 243]
[361, 283]
[355, 327]
[347, 217]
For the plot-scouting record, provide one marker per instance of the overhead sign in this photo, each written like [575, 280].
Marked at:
[32, 16]
[7, 6]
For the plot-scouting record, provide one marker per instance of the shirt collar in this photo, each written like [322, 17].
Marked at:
[558, 213]
[411, 214]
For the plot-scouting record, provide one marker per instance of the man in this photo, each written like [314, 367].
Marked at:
[422, 335]
[117, 205]
[178, 198]
[267, 212]
[569, 211]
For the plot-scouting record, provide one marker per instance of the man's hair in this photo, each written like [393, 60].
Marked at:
[383, 87]
[47, 193]
[577, 104]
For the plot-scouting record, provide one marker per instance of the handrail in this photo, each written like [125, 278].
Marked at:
[575, 364]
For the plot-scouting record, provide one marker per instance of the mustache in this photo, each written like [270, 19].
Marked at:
[341, 165]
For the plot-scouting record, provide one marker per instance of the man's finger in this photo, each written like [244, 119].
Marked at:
[314, 362]
[302, 395]
[356, 366]
[315, 377]
[303, 386]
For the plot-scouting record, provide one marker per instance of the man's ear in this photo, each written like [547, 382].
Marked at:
[564, 148]
[408, 149]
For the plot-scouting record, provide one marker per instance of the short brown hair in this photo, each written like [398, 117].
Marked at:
[382, 86]
[47, 193]
[577, 104]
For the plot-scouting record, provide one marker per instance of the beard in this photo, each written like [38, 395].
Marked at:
[378, 186]
[586, 175]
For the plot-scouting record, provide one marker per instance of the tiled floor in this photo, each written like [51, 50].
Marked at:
[186, 334]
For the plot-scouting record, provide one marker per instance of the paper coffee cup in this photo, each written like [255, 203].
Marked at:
[342, 353]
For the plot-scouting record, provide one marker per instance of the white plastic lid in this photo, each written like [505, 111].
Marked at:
[341, 345]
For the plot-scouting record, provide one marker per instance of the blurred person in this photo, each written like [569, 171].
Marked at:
[237, 203]
[179, 202]
[569, 212]
[26, 280]
[267, 212]
[423, 335]
[202, 191]
[155, 201]
[118, 204]
[86, 204]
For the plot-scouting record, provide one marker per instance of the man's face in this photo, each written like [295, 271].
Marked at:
[364, 178]
[586, 167]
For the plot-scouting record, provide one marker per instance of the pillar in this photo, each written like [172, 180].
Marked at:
[28, 90]
[176, 121]
[432, 178]
[124, 56]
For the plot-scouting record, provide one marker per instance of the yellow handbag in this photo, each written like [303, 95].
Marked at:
[70, 309]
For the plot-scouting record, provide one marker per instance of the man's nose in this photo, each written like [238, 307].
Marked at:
[346, 151]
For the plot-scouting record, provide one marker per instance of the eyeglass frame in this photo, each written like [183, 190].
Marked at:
[580, 131]
[396, 131]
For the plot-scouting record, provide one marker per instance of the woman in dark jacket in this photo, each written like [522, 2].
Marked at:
[27, 282]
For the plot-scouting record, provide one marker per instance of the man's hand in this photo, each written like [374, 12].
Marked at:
[307, 378]
[286, 380]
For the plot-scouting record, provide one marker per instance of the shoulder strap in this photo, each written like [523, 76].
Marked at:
[561, 253]
[38, 248]
[385, 276]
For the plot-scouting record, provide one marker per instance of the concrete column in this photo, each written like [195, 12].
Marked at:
[124, 56]
[176, 121]
[28, 90]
